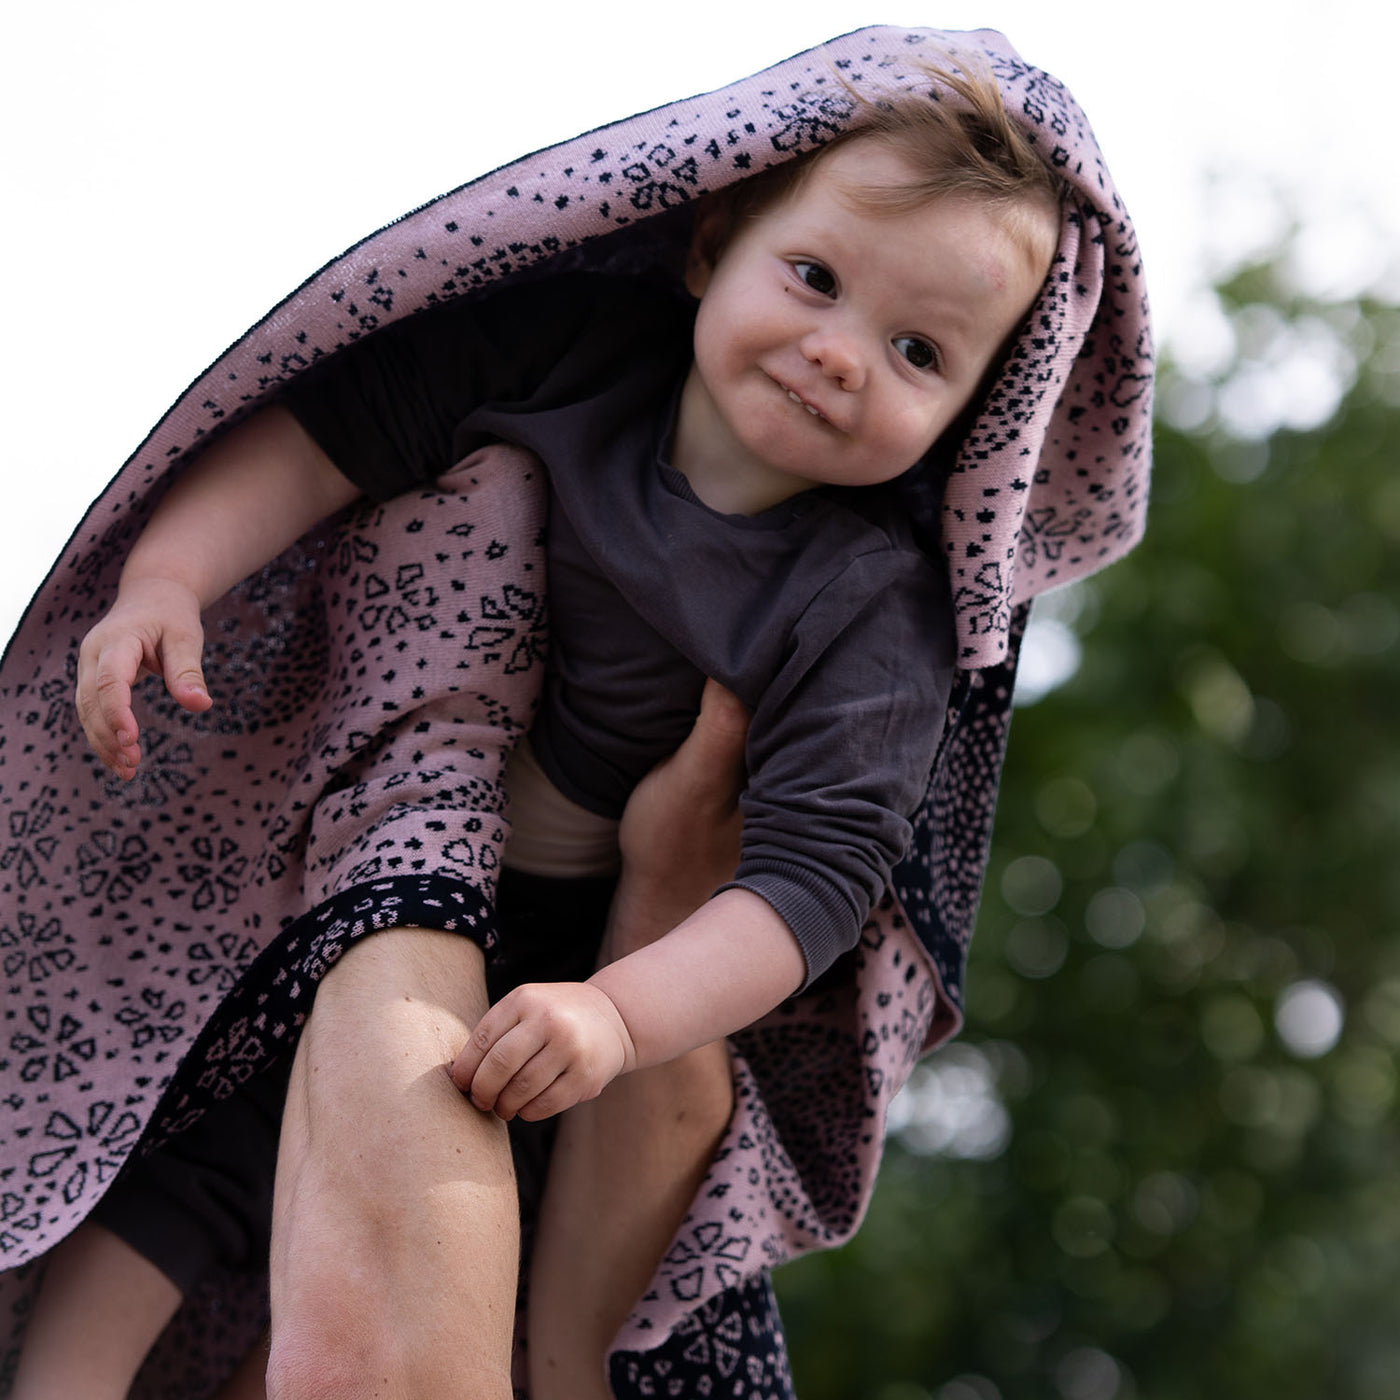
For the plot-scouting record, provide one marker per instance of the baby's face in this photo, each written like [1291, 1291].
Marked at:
[834, 345]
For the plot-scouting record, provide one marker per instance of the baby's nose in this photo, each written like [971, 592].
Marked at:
[838, 356]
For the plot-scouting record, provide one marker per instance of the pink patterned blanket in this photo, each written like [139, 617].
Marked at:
[159, 942]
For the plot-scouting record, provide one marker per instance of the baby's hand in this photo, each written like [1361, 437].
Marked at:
[543, 1048]
[153, 626]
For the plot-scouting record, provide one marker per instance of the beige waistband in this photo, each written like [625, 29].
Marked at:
[550, 834]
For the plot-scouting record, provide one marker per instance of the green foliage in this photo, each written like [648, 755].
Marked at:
[1196, 1197]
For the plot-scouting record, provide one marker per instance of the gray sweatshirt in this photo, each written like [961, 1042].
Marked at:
[821, 614]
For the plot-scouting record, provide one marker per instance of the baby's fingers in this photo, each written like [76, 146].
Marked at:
[105, 678]
[542, 1085]
[563, 1092]
[499, 1045]
[181, 656]
[483, 1036]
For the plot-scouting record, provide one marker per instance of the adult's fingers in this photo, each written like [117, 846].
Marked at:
[681, 824]
[712, 756]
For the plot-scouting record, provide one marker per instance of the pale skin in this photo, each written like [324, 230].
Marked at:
[377, 1123]
[583, 1034]
[833, 346]
[124, 1302]
[393, 1251]
[627, 1164]
[830, 348]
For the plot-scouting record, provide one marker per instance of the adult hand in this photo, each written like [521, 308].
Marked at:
[679, 835]
[627, 1164]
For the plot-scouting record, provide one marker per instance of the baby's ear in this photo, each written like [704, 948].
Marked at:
[707, 240]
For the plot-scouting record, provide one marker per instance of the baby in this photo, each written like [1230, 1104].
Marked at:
[716, 511]
[725, 503]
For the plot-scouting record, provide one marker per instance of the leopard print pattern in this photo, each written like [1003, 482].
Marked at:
[162, 941]
[141, 925]
[1051, 483]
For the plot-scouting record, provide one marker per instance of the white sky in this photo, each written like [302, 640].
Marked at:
[170, 170]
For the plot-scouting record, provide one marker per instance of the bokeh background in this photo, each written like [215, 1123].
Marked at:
[1162, 1160]
[1160, 1164]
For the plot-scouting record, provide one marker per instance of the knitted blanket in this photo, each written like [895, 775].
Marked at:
[160, 941]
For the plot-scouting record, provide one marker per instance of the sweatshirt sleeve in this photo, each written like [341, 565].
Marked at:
[841, 746]
[387, 409]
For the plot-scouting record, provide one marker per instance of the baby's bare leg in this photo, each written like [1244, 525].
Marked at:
[395, 1222]
[627, 1164]
[100, 1309]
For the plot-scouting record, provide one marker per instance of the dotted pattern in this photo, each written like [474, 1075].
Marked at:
[1052, 481]
[731, 1345]
[160, 942]
[157, 941]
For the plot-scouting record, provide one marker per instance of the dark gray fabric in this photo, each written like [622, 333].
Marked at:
[821, 614]
[205, 1198]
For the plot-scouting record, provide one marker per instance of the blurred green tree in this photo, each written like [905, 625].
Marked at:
[1162, 1160]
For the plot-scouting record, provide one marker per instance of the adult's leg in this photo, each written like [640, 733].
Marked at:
[627, 1164]
[201, 1199]
[99, 1309]
[249, 1378]
[395, 1222]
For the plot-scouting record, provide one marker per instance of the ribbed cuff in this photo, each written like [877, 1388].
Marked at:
[819, 913]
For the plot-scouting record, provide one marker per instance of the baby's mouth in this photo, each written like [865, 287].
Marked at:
[802, 403]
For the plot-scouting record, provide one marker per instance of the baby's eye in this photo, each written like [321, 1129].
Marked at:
[816, 277]
[918, 352]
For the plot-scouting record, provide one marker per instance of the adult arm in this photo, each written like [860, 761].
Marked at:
[394, 1233]
[627, 1165]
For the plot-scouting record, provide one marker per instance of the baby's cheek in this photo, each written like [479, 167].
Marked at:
[922, 428]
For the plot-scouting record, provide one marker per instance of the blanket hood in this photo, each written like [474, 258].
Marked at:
[1051, 481]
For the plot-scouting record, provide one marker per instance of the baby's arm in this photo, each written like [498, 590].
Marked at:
[252, 493]
[547, 1046]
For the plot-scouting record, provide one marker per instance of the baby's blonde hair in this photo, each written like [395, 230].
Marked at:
[958, 139]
